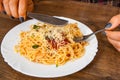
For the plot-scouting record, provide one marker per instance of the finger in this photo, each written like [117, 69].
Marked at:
[22, 10]
[30, 6]
[6, 7]
[115, 21]
[115, 43]
[1, 6]
[13, 4]
[115, 35]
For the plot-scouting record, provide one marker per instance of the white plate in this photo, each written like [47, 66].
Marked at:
[21, 64]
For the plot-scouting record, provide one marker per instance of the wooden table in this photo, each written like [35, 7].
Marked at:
[106, 64]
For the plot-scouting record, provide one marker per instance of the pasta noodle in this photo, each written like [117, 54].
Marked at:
[48, 44]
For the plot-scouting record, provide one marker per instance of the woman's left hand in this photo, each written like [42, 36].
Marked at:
[114, 36]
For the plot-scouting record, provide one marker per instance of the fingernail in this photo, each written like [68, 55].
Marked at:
[3, 12]
[108, 25]
[21, 19]
[12, 17]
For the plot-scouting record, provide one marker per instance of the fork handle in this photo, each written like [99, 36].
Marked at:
[108, 25]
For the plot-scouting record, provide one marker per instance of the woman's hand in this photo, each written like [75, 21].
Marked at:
[114, 36]
[16, 8]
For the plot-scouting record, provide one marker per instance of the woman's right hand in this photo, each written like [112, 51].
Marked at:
[16, 8]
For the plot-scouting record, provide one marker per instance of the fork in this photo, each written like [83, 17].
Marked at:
[85, 37]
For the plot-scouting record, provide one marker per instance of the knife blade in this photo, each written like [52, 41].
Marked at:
[47, 19]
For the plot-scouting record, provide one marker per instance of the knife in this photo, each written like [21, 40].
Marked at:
[47, 19]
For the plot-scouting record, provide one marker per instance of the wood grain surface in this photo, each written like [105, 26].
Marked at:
[106, 64]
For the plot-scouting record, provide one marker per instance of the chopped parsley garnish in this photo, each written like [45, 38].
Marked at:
[57, 65]
[36, 27]
[35, 46]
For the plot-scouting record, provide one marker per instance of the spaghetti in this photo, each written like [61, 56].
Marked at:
[48, 44]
